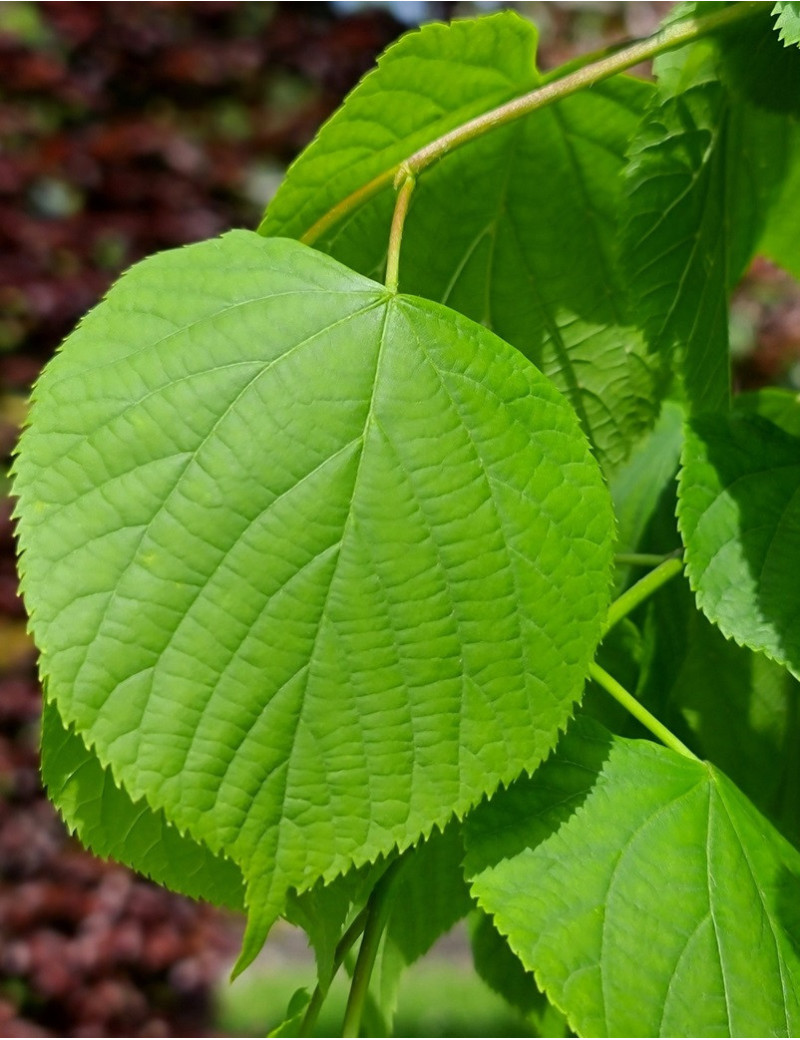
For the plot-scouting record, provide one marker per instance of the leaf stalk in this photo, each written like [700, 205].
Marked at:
[377, 913]
[638, 710]
[406, 181]
[343, 947]
[643, 589]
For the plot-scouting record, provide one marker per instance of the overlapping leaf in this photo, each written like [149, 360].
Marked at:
[109, 823]
[515, 230]
[703, 172]
[311, 566]
[735, 707]
[645, 892]
[781, 239]
[739, 515]
[429, 895]
[787, 22]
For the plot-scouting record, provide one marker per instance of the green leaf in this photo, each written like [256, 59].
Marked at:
[311, 566]
[730, 705]
[111, 824]
[539, 267]
[777, 404]
[781, 239]
[501, 969]
[429, 895]
[757, 67]
[427, 83]
[787, 22]
[638, 487]
[644, 891]
[324, 912]
[702, 174]
[739, 516]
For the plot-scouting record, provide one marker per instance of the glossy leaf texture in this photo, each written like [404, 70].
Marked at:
[516, 229]
[739, 516]
[787, 22]
[644, 891]
[704, 170]
[311, 567]
[112, 825]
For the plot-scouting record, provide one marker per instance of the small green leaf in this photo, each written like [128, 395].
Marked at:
[429, 895]
[311, 567]
[739, 516]
[787, 22]
[644, 891]
[111, 824]
[325, 911]
[295, 1014]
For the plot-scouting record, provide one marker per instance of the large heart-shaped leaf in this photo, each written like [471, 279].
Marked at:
[523, 220]
[311, 566]
[739, 516]
[645, 892]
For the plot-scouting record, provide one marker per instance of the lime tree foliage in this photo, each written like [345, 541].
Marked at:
[350, 546]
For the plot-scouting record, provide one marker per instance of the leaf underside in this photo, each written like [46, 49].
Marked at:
[644, 891]
[311, 567]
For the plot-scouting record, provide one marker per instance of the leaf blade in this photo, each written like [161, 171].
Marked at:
[633, 910]
[317, 490]
[737, 512]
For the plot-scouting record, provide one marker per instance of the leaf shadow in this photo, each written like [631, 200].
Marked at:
[534, 808]
[753, 459]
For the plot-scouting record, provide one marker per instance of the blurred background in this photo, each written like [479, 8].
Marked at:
[131, 127]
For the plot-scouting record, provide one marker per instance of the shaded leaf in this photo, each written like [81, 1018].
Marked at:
[501, 969]
[781, 239]
[730, 705]
[703, 172]
[428, 896]
[266, 510]
[739, 516]
[644, 891]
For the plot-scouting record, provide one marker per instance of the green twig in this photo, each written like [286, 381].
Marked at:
[377, 913]
[643, 559]
[343, 947]
[666, 39]
[643, 589]
[629, 702]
